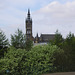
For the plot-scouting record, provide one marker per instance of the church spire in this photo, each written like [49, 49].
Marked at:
[28, 11]
[28, 14]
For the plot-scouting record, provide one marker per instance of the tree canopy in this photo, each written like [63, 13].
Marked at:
[40, 59]
[18, 39]
[3, 43]
[3, 40]
[22, 58]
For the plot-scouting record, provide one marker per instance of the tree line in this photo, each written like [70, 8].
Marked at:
[18, 40]
[20, 57]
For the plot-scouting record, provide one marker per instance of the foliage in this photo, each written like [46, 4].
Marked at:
[69, 49]
[3, 43]
[11, 61]
[68, 45]
[58, 39]
[60, 60]
[28, 45]
[18, 39]
[57, 56]
[40, 59]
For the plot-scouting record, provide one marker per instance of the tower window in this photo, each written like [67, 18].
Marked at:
[28, 32]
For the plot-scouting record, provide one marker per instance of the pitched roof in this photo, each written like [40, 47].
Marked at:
[48, 37]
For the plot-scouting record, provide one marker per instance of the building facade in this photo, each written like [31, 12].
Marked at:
[44, 38]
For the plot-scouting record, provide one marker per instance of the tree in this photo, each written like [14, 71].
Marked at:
[39, 60]
[28, 45]
[44, 59]
[69, 49]
[3, 43]
[58, 39]
[18, 39]
[11, 63]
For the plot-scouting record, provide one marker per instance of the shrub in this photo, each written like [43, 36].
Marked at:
[38, 60]
[43, 59]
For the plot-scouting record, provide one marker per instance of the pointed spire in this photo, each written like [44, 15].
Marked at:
[28, 14]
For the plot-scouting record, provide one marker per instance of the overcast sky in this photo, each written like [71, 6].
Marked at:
[47, 16]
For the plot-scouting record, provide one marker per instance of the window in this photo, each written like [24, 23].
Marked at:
[28, 32]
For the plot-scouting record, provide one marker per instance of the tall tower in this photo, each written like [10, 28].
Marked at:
[29, 27]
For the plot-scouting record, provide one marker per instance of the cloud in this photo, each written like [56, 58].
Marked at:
[49, 17]
[2, 4]
[55, 16]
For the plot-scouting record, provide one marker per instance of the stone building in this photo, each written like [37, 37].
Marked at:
[29, 26]
[44, 38]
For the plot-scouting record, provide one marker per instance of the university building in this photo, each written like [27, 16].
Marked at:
[44, 38]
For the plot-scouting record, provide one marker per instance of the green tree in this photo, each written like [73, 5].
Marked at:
[43, 59]
[58, 40]
[39, 60]
[28, 45]
[60, 60]
[18, 39]
[10, 64]
[3, 43]
[69, 49]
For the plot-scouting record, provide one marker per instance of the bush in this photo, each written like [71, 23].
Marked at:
[38, 60]
[11, 61]
[43, 59]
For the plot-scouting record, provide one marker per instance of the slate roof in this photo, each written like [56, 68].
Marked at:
[47, 37]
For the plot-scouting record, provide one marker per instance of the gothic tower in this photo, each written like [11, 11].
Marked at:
[29, 27]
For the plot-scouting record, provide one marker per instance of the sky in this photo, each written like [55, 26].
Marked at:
[47, 16]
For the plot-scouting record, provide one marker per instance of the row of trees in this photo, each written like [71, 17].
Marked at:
[18, 40]
[22, 58]
[68, 45]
